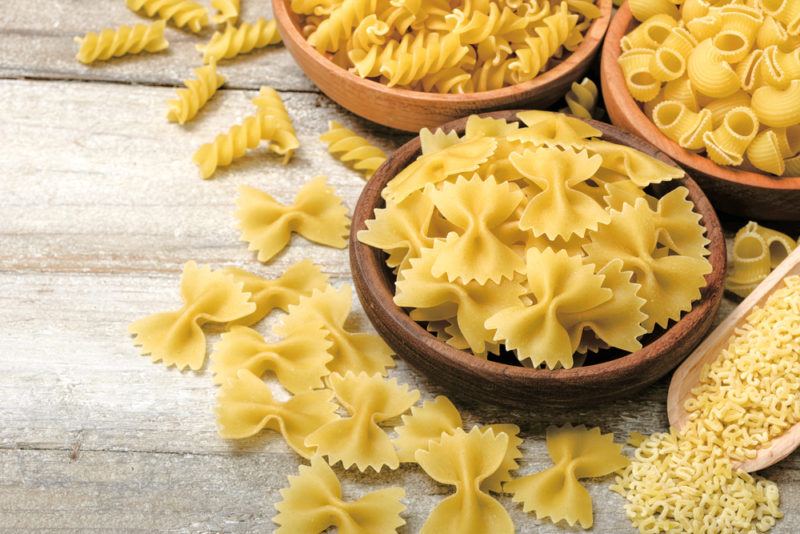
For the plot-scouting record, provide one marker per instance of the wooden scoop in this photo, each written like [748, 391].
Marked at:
[687, 375]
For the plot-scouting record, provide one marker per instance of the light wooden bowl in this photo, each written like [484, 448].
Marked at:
[411, 110]
[738, 192]
[518, 386]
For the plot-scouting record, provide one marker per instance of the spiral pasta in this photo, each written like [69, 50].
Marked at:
[116, 42]
[351, 148]
[182, 13]
[234, 41]
[582, 99]
[195, 95]
[278, 130]
[227, 11]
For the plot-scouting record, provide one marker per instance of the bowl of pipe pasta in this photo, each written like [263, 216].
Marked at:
[530, 257]
[716, 86]
[409, 64]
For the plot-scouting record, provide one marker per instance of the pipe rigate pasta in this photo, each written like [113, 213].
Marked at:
[351, 148]
[635, 65]
[182, 13]
[313, 503]
[778, 108]
[358, 439]
[317, 214]
[227, 11]
[195, 95]
[682, 125]
[556, 493]
[117, 42]
[351, 351]
[756, 251]
[246, 406]
[727, 143]
[242, 40]
[176, 338]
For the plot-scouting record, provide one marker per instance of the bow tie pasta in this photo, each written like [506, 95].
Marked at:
[539, 239]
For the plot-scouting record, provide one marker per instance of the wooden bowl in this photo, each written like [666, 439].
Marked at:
[408, 110]
[735, 191]
[519, 386]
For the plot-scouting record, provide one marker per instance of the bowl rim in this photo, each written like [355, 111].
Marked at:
[592, 39]
[611, 75]
[367, 263]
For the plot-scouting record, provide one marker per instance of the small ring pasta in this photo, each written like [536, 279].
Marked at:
[685, 127]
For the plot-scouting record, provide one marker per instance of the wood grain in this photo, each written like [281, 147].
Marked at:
[412, 110]
[738, 192]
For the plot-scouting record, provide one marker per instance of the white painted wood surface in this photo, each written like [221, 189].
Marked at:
[100, 205]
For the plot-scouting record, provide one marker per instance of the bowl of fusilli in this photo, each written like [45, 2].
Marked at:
[718, 90]
[408, 64]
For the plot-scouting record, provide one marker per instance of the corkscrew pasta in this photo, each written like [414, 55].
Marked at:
[438, 46]
[195, 95]
[720, 78]
[353, 149]
[182, 13]
[117, 42]
[242, 40]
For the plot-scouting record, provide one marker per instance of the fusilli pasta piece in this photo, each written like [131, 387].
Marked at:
[117, 42]
[279, 130]
[351, 148]
[180, 12]
[582, 99]
[242, 40]
[227, 11]
[195, 95]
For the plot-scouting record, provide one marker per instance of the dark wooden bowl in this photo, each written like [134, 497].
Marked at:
[412, 110]
[500, 383]
[735, 191]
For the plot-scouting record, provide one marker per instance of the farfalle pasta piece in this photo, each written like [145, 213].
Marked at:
[351, 351]
[298, 360]
[553, 129]
[246, 406]
[353, 149]
[431, 142]
[117, 42]
[669, 283]
[182, 13]
[176, 338]
[641, 168]
[418, 288]
[299, 280]
[560, 209]
[267, 225]
[466, 460]
[477, 208]
[569, 296]
[678, 225]
[242, 40]
[195, 95]
[313, 503]
[400, 229]
[557, 493]
[582, 99]
[358, 439]
[227, 11]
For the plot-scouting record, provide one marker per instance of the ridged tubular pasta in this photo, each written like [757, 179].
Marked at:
[764, 153]
[635, 65]
[704, 27]
[720, 107]
[682, 125]
[532, 58]
[792, 166]
[778, 108]
[749, 70]
[180, 12]
[645, 9]
[786, 12]
[582, 99]
[234, 41]
[682, 91]
[227, 11]
[116, 42]
[771, 33]
[692, 9]
[779, 68]
[351, 148]
[727, 143]
[195, 95]
[669, 61]
[741, 21]
[709, 73]
[417, 57]
[277, 125]
[650, 34]
[333, 31]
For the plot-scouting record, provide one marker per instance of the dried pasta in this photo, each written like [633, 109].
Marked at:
[438, 46]
[277, 126]
[246, 406]
[353, 149]
[234, 41]
[556, 493]
[756, 251]
[195, 95]
[227, 11]
[117, 42]
[358, 439]
[182, 13]
[719, 78]
[582, 99]
[313, 503]
[176, 338]
[267, 225]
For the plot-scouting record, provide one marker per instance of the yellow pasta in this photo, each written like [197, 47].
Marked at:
[242, 40]
[756, 251]
[727, 143]
[267, 225]
[765, 154]
[635, 65]
[582, 99]
[682, 125]
[182, 13]
[195, 95]
[117, 42]
[532, 58]
[650, 34]
[785, 12]
[313, 503]
[176, 338]
[645, 9]
[227, 11]
[351, 148]
[277, 127]
[778, 108]
[709, 73]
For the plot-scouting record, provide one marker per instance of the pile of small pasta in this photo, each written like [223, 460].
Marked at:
[721, 78]
[441, 46]
[541, 238]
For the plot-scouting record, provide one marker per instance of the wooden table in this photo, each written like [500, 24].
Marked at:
[100, 206]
